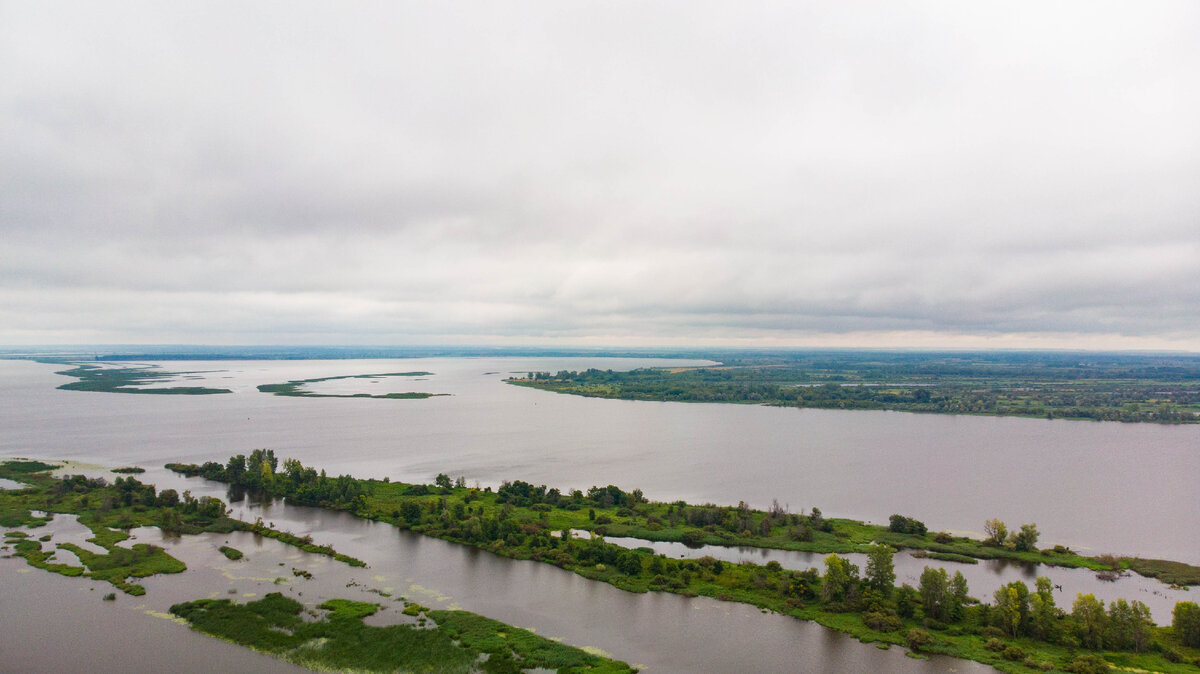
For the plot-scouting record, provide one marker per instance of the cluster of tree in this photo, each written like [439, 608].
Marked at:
[1186, 623]
[906, 525]
[956, 386]
[515, 522]
[177, 513]
[295, 482]
[996, 534]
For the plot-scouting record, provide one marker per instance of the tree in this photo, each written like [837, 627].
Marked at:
[995, 533]
[170, 522]
[907, 599]
[838, 578]
[906, 525]
[1012, 604]
[1185, 621]
[442, 481]
[1129, 625]
[934, 593]
[235, 469]
[629, 563]
[1043, 614]
[881, 572]
[1026, 539]
[958, 595]
[411, 512]
[1088, 614]
[817, 521]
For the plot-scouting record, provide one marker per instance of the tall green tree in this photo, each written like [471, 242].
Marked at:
[935, 593]
[1185, 622]
[1044, 616]
[1090, 620]
[881, 571]
[838, 579]
[958, 596]
[1026, 539]
[1012, 605]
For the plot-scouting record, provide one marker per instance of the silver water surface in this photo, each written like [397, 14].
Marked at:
[1098, 486]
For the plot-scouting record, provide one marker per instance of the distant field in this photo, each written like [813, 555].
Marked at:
[1105, 387]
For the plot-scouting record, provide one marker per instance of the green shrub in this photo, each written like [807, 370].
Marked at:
[917, 638]
[1088, 664]
[1013, 653]
[882, 622]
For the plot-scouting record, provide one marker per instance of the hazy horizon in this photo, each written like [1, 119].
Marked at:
[703, 174]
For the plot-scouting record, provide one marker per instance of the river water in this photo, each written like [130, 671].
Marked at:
[1104, 487]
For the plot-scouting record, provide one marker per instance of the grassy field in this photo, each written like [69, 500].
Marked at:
[295, 388]
[442, 641]
[126, 379]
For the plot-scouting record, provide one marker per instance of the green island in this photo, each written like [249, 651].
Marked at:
[439, 641]
[1103, 387]
[1021, 630]
[442, 641]
[110, 510]
[231, 553]
[126, 379]
[295, 388]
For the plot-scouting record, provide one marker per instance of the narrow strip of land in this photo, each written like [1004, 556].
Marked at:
[297, 387]
[1103, 387]
[1022, 629]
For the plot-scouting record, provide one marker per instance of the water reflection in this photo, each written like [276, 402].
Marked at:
[662, 632]
[983, 578]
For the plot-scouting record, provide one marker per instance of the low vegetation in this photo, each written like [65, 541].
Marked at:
[126, 379]
[110, 511]
[457, 641]
[525, 522]
[231, 553]
[1103, 387]
[295, 388]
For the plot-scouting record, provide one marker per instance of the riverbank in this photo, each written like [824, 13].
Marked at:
[511, 522]
[338, 641]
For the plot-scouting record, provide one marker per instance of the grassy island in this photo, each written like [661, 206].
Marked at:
[456, 641]
[126, 379]
[1021, 630]
[1102, 387]
[295, 388]
[110, 510]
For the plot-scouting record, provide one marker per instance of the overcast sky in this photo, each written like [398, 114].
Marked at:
[835, 173]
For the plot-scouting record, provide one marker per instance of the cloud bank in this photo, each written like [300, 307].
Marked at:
[905, 174]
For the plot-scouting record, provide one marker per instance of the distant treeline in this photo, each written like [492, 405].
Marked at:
[1107, 387]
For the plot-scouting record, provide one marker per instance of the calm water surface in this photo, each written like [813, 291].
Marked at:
[1106, 487]
[1100, 486]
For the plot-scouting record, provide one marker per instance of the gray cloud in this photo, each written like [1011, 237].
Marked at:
[890, 173]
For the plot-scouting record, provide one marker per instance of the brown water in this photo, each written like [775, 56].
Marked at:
[1107, 486]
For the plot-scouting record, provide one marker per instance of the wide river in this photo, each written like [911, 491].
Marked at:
[1102, 487]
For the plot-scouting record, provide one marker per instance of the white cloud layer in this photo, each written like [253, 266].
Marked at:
[907, 174]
